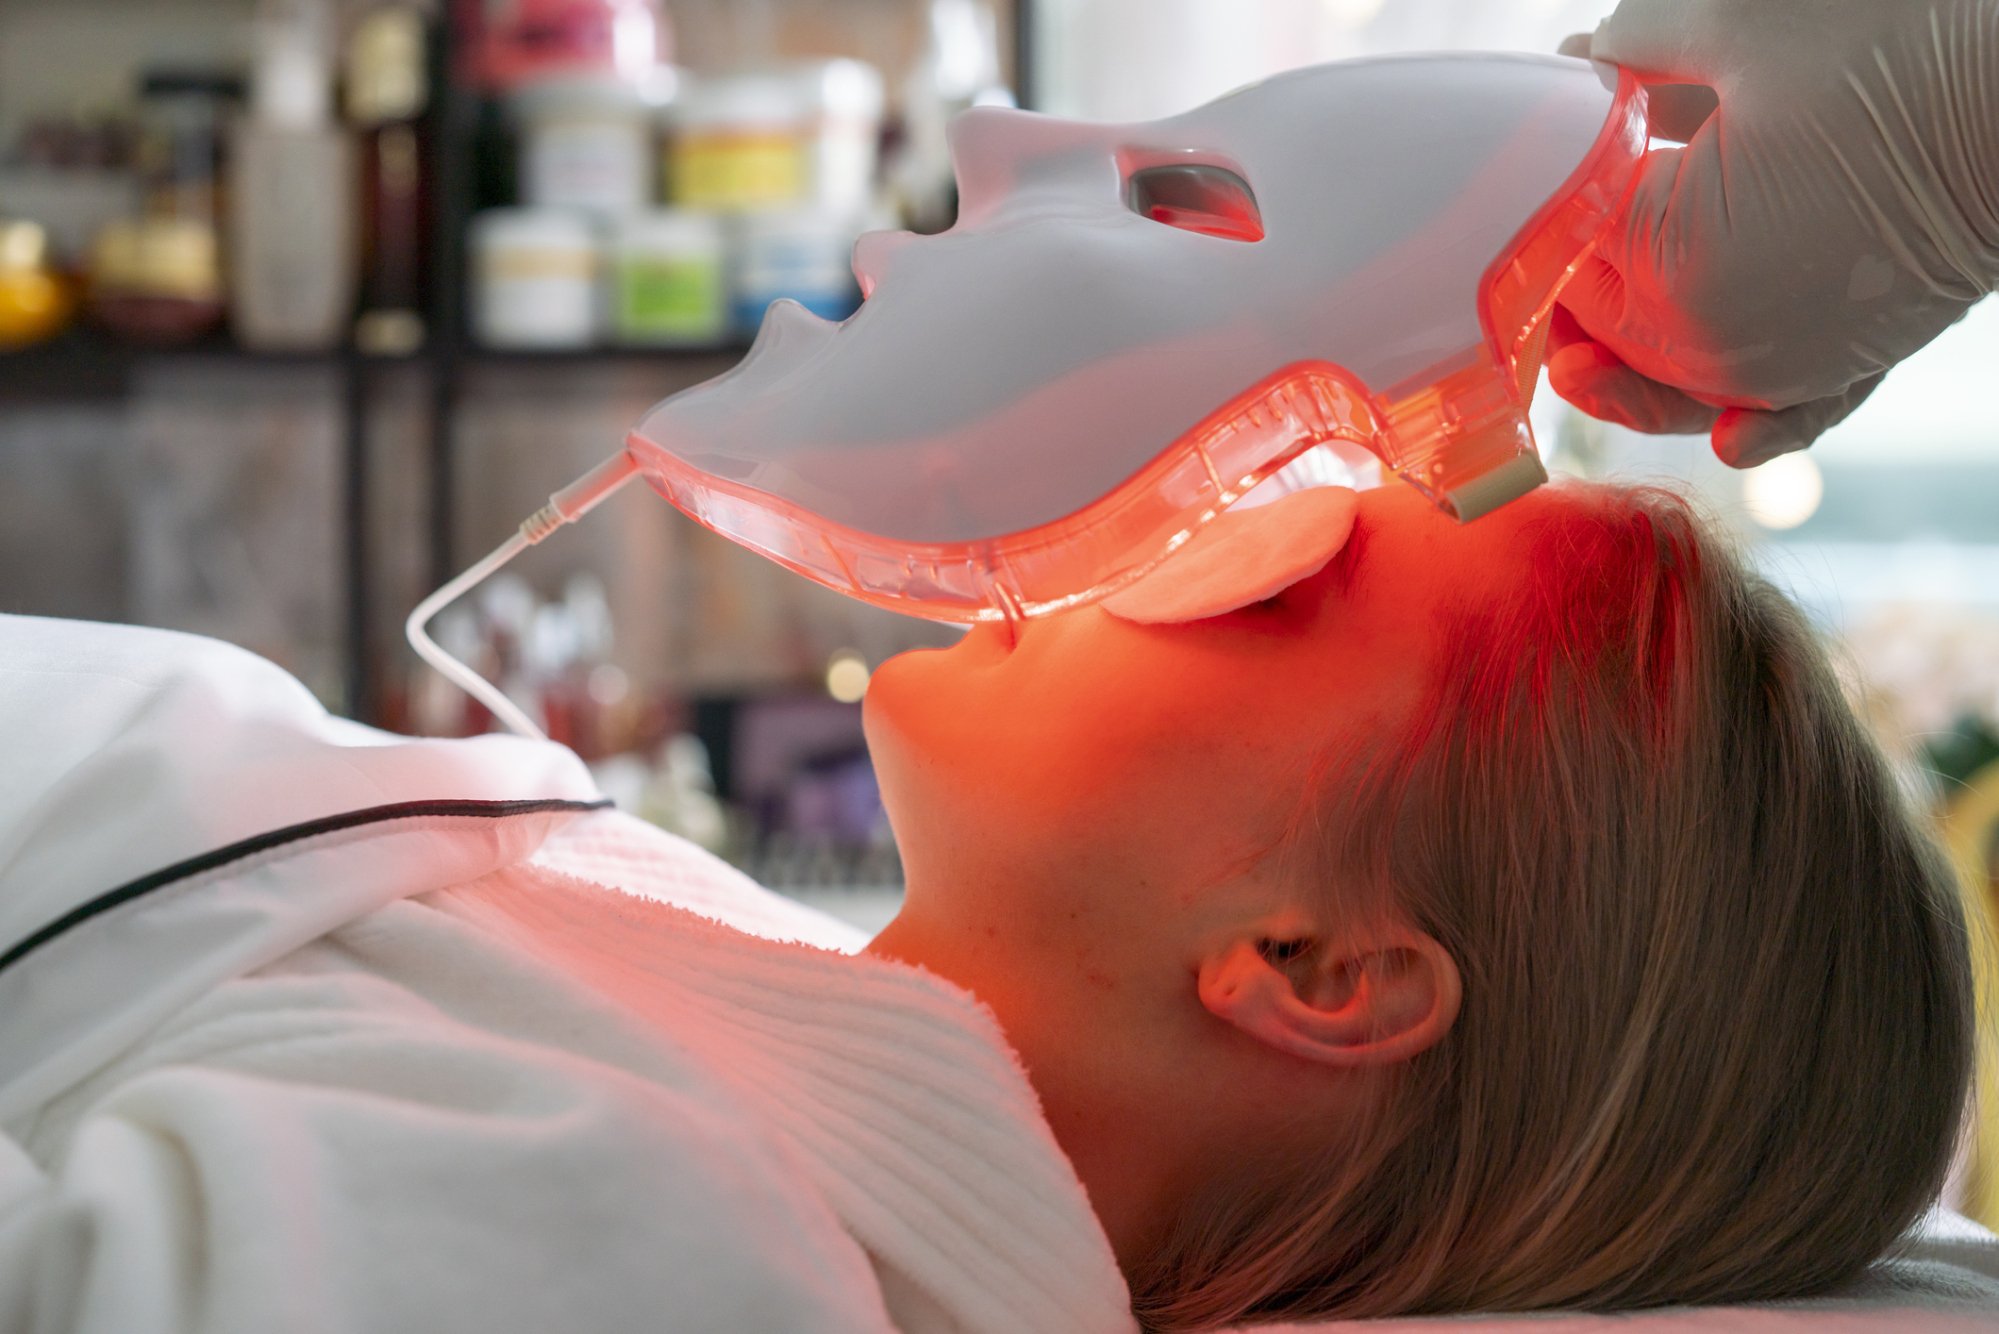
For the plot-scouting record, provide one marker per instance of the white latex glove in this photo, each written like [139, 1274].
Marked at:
[1836, 212]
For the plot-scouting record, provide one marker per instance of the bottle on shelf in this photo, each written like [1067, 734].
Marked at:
[387, 90]
[155, 276]
[35, 302]
[292, 208]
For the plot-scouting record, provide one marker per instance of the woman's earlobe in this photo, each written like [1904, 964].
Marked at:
[1400, 996]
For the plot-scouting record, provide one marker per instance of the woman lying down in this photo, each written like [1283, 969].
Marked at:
[1492, 918]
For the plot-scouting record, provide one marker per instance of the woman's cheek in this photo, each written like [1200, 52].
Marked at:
[1089, 724]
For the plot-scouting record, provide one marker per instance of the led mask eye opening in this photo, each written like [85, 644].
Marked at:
[1196, 197]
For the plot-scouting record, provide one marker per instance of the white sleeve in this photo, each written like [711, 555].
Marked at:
[382, 1181]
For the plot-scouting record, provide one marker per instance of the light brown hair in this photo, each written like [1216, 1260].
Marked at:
[1717, 1021]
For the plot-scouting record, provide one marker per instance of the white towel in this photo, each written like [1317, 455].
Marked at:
[267, 1068]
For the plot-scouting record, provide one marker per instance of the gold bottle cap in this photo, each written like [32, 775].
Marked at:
[24, 246]
[385, 77]
[168, 257]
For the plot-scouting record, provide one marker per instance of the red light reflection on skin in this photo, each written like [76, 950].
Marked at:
[1086, 814]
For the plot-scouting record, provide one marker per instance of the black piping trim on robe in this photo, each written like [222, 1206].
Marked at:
[256, 843]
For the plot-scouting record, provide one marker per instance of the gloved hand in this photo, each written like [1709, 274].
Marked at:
[1836, 212]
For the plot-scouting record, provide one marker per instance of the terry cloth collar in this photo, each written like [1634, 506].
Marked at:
[175, 810]
[896, 1089]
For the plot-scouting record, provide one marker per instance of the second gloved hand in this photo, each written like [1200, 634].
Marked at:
[1836, 212]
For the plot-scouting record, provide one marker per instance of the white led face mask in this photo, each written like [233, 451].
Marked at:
[1130, 326]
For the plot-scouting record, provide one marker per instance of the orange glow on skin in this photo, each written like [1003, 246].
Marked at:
[1087, 814]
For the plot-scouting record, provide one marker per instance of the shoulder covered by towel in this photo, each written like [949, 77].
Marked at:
[307, 1026]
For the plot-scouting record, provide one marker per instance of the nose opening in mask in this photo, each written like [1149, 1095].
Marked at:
[1196, 197]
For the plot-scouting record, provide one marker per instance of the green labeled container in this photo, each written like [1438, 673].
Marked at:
[669, 279]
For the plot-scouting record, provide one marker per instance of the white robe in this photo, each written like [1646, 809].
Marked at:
[485, 1059]
[420, 1073]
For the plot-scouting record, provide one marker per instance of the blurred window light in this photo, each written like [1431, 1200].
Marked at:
[1842, 582]
[1351, 13]
[1932, 406]
[1139, 59]
[1784, 492]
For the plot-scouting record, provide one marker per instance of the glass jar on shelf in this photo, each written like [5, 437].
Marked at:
[738, 142]
[799, 254]
[668, 279]
[156, 277]
[156, 281]
[535, 279]
[802, 135]
[35, 301]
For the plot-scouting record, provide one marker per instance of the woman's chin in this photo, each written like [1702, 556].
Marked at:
[920, 699]
[899, 685]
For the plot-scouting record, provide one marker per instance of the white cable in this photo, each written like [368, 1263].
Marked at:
[569, 504]
[460, 675]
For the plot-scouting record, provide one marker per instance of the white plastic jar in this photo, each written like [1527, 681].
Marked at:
[798, 136]
[586, 143]
[668, 279]
[535, 278]
[804, 254]
[738, 142]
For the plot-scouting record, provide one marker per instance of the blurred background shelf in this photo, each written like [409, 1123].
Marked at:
[298, 503]
[601, 356]
[84, 366]
[453, 88]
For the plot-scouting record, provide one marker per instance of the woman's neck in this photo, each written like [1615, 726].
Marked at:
[1125, 1151]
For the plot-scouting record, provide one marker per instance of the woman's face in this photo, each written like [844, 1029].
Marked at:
[1067, 803]
[1088, 815]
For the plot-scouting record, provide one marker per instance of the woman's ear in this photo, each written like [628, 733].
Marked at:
[1369, 1003]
